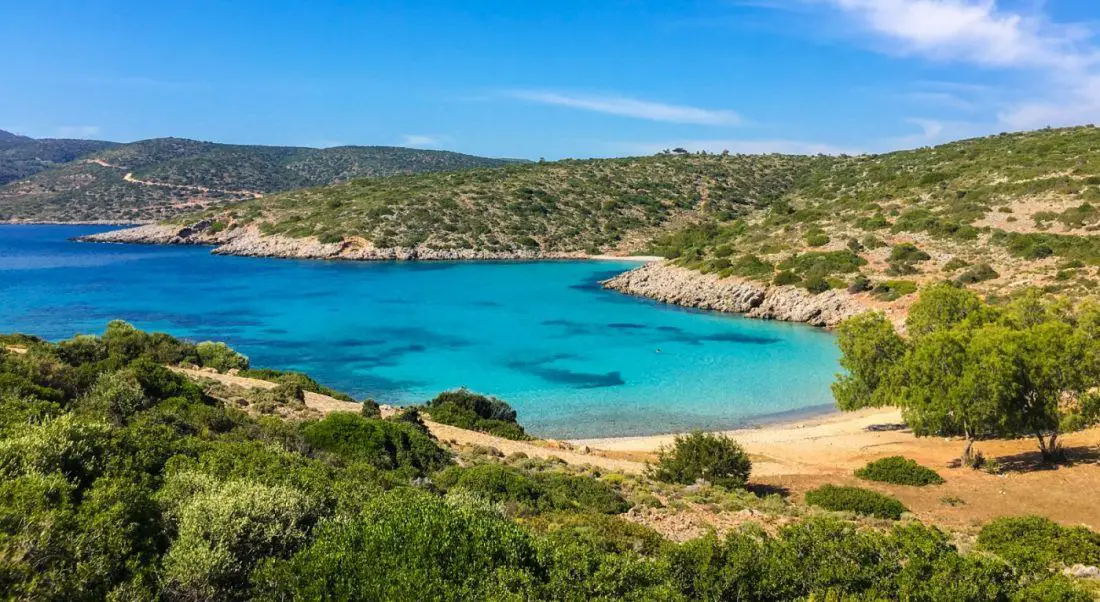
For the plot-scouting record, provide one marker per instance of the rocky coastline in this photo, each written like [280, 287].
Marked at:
[249, 241]
[680, 286]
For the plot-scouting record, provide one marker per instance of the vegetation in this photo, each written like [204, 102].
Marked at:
[970, 369]
[1035, 544]
[46, 181]
[21, 157]
[475, 412]
[899, 471]
[715, 459]
[121, 479]
[855, 499]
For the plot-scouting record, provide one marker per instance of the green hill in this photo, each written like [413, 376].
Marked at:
[995, 213]
[155, 179]
[21, 157]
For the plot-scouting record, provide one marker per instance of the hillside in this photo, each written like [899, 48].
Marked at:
[156, 179]
[21, 157]
[997, 214]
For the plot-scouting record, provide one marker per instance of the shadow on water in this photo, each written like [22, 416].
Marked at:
[564, 376]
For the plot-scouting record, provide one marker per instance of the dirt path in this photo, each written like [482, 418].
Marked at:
[129, 177]
[447, 433]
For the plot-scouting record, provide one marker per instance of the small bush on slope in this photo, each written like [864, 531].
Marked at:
[386, 444]
[468, 410]
[541, 492]
[855, 499]
[1035, 544]
[899, 471]
[716, 459]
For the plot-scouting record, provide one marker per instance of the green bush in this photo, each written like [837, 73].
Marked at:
[226, 529]
[978, 273]
[419, 546]
[907, 252]
[716, 459]
[468, 410]
[855, 499]
[892, 290]
[385, 444]
[786, 277]
[899, 471]
[220, 357]
[1035, 544]
[817, 239]
[527, 494]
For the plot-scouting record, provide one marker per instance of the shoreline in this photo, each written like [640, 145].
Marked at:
[75, 223]
[785, 428]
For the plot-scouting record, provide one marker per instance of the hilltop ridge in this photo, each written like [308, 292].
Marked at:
[86, 180]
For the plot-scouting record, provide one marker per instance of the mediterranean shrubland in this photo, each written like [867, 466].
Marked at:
[122, 479]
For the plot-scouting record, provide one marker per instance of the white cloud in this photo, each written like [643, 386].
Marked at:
[975, 31]
[1057, 64]
[750, 147]
[424, 140]
[77, 131]
[630, 107]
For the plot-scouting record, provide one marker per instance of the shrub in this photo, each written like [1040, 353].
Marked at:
[716, 459]
[420, 548]
[978, 273]
[892, 290]
[116, 395]
[954, 264]
[855, 499]
[817, 239]
[860, 284]
[385, 444]
[542, 492]
[224, 530]
[220, 357]
[370, 409]
[908, 252]
[468, 410]
[1035, 544]
[899, 471]
[786, 277]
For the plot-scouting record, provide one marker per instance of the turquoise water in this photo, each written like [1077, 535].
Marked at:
[573, 359]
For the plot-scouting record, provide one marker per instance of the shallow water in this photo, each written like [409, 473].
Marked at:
[573, 359]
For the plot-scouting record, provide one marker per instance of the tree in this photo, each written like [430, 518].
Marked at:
[972, 370]
[716, 459]
[870, 348]
[943, 306]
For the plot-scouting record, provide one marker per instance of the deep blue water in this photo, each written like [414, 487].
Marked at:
[573, 359]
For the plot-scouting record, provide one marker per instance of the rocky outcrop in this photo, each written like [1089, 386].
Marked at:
[249, 241]
[681, 286]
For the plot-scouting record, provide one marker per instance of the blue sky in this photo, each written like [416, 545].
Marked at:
[550, 79]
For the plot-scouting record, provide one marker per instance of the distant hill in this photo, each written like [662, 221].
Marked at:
[21, 157]
[80, 180]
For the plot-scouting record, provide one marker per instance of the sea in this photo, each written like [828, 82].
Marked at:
[574, 360]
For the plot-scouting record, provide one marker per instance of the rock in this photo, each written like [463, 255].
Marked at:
[1081, 571]
[250, 241]
[681, 286]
